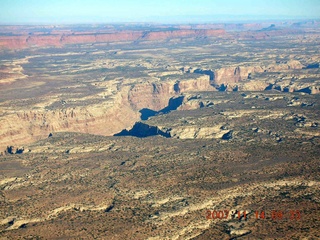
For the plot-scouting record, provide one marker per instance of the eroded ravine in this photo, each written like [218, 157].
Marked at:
[105, 89]
[110, 116]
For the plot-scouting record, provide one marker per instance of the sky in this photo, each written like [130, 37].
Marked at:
[184, 11]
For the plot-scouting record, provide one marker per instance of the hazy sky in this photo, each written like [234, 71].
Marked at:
[84, 11]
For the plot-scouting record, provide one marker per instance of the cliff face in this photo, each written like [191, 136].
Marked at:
[156, 95]
[41, 41]
[13, 42]
[234, 74]
[150, 95]
[264, 34]
[58, 39]
[107, 118]
[100, 37]
[200, 84]
[231, 75]
[182, 34]
[24, 127]
[227, 75]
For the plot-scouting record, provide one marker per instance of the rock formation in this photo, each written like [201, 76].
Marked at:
[59, 39]
[231, 76]
[220, 125]
[105, 88]
[97, 119]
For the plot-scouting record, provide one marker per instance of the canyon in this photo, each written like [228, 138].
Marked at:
[148, 83]
[135, 131]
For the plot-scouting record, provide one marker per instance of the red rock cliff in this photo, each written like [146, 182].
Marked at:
[56, 39]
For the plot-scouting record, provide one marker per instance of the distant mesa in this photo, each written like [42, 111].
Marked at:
[58, 39]
[270, 28]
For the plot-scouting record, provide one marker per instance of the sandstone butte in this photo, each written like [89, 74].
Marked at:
[60, 39]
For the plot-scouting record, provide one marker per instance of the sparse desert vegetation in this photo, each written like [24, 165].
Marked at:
[137, 137]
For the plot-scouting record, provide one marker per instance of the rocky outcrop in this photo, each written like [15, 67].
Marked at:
[280, 66]
[285, 87]
[221, 78]
[147, 95]
[191, 101]
[142, 129]
[155, 95]
[198, 84]
[227, 75]
[194, 132]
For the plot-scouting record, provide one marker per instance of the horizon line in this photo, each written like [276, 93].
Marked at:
[181, 19]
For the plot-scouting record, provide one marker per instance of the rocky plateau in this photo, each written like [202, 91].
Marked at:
[137, 131]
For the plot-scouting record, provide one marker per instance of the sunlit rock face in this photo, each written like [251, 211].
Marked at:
[160, 132]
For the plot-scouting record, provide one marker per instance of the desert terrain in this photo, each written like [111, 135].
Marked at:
[146, 131]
